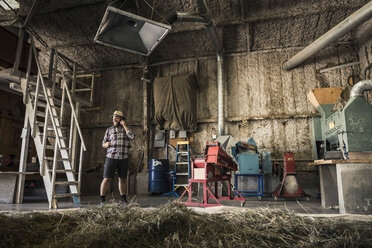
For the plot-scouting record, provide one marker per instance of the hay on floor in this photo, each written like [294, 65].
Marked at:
[174, 225]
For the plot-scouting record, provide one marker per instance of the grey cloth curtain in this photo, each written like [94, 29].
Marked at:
[175, 102]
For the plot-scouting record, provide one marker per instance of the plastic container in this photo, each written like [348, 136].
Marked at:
[158, 176]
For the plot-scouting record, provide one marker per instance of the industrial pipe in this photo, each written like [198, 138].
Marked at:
[357, 18]
[204, 17]
[204, 12]
[360, 87]
[185, 17]
[220, 88]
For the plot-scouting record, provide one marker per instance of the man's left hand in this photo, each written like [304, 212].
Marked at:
[122, 122]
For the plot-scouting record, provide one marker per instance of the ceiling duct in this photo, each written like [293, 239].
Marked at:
[126, 31]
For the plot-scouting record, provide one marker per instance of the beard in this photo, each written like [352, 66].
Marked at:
[116, 123]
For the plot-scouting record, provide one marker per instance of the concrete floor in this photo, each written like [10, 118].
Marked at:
[301, 206]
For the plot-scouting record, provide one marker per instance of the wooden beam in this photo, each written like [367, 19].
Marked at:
[30, 14]
[23, 158]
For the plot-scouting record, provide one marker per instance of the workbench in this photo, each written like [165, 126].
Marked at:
[346, 184]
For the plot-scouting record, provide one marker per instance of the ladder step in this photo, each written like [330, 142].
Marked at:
[41, 104]
[39, 113]
[40, 93]
[64, 171]
[179, 184]
[58, 159]
[66, 183]
[50, 147]
[182, 174]
[182, 162]
[50, 127]
[183, 143]
[42, 114]
[182, 153]
[53, 137]
[65, 195]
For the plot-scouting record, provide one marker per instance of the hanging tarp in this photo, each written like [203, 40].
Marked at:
[175, 102]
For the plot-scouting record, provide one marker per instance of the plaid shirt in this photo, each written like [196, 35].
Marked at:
[119, 142]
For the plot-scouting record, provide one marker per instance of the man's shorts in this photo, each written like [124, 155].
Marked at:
[115, 164]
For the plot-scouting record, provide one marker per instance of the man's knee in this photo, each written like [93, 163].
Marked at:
[106, 180]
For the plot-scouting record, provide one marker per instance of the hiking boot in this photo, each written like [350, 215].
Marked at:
[123, 202]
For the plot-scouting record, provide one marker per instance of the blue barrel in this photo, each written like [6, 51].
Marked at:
[158, 176]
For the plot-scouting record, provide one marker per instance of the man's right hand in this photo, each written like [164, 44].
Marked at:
[106, 145]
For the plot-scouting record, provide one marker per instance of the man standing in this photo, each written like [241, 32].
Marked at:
[116, 141]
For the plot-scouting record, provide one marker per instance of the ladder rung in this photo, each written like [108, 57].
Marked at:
[183, 142]
[182, 162]
[58, 159]
[53, 137]
[84, 89]
[50, 147]
[39, 113]
[65, 195]
[179, 184]
[66, 183]
[41, 104]
[182, 152]
[40, 93]
[50, 127]
[182, 174]
[64, 171]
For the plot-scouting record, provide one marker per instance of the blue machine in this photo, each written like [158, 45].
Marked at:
[249, 160]
[251, 164]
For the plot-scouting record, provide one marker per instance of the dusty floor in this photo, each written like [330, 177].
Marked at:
[300, 206]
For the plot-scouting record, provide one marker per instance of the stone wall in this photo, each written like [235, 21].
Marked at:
[262, 100]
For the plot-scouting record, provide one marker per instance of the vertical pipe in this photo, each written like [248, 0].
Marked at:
[220, 89]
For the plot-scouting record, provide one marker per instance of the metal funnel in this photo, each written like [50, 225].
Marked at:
[126, 31]
[324, 99]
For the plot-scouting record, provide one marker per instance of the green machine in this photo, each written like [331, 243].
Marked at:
[347, 133]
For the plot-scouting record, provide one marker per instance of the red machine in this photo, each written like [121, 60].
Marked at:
[289, 186]
[215, 167]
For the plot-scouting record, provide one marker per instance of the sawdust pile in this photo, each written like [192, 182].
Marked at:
[173, 225]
